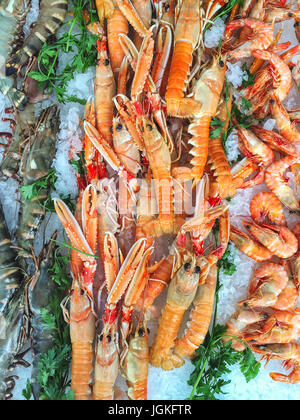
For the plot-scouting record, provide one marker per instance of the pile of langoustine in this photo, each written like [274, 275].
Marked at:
[175, 88]
[192, 273]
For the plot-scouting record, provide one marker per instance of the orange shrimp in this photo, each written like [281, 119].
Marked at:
[260, 39]
[278, 239]
[106, 366]
[283, 121]
[280, 71]
[186, 38]
[268, 281]
[200, 318]
[249, 144]
[181, 293]
[241, 319]
[136, 362]
[259, 92]
[257, 63]
[248, 246]
[280, 327]
[276, 141]
[116, 24]
[105, 91]
[207, 91]
[289, 353]
[274, 178]
[266, 205]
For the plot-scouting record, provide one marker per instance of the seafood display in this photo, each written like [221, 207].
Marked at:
[134, 165]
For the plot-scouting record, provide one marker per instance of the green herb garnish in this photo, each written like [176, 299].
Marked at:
[251, 77]
[31, 191]
[27, 391]
[246, 104]
[79, 43]
[218, 128]
[54, 365]
[228, 267]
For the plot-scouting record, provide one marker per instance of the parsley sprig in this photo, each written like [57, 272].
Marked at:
[251, 77]
[54, 365]
[32, 191]
[226, 264]
[216, 127]
[78, 43]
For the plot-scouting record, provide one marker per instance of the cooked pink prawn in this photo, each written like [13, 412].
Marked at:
[261, 38]
[259, 93]
[285, 127]
[241, 319]
[280, 72]
[280, 327]
[266, 205]
[274, 178]
[289, 353]
[248, 246]
[267, 282]
[278, 239]
[250, 145]
[275, 140]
